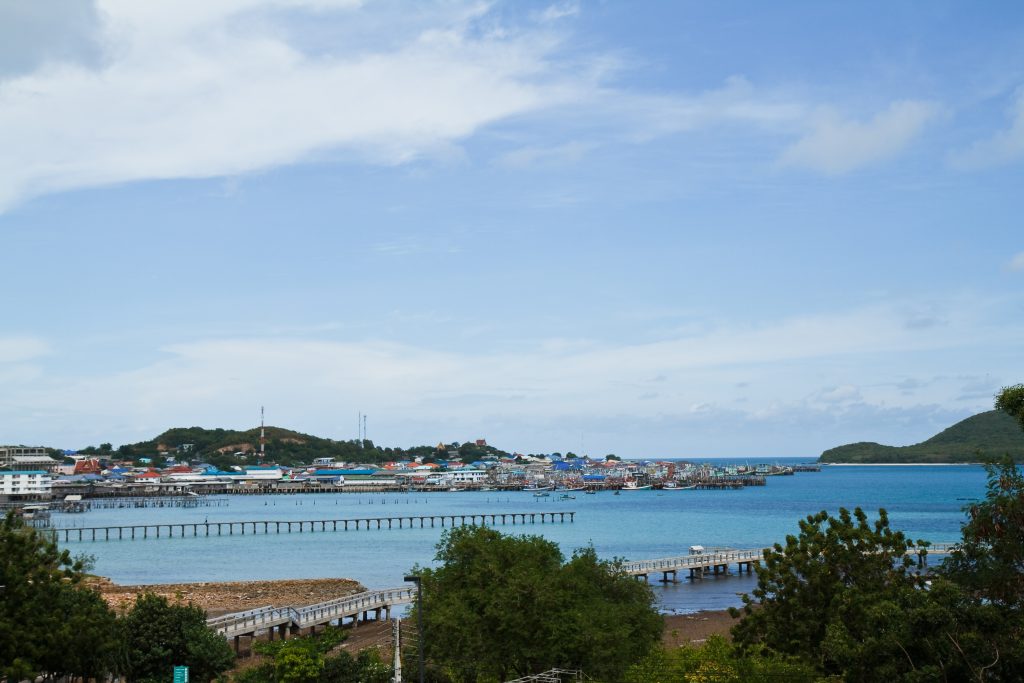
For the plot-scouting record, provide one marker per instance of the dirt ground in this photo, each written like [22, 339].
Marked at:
[681, 629]
[233, 596]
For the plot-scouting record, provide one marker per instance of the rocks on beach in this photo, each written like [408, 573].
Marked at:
[232, 596]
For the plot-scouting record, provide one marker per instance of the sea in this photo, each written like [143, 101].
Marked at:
[925, 502]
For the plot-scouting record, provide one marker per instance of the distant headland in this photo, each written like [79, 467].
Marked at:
[991, 434]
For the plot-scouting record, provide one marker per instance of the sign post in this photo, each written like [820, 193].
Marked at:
[181, 674]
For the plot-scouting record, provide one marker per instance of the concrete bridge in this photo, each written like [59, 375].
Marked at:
[718, 561]
[192, 529]
[289, 621]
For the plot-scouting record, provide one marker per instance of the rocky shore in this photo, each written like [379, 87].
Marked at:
[683, 629]
[232, 596]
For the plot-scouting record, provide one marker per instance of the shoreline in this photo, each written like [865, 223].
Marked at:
[901, 464]
[694, 629]
[225, 597]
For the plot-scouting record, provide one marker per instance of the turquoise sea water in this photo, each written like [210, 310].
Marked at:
[924, 501]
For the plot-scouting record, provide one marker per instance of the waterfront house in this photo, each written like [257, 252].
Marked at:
[23, 485]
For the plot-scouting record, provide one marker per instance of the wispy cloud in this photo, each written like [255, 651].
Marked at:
[312, 381]
[1017, 262]
[1006, 146]
[524, 157]
[559, 10]
[192, 90]
[836, 145]
[16, 349]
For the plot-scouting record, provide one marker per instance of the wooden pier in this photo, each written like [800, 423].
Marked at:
[192, 529]
[700, 564]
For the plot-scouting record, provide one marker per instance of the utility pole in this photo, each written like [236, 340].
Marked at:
[398, 650]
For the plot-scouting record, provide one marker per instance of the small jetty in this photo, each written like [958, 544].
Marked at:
[717, 562]
[263, 527]
[293, 621]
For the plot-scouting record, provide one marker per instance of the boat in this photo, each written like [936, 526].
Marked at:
[541, 494]
[591, 492]
[566, 496]
[633, 486]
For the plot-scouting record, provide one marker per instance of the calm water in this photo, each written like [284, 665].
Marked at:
[925, 502]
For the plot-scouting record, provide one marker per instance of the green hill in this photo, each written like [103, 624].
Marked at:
[992, 434]
[227, 447]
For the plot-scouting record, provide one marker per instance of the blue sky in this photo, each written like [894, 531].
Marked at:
[656, 229]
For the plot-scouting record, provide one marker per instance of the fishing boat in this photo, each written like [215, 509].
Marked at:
[633, 486]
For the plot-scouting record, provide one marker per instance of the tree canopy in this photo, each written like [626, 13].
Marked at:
[502, 606]
[845, 597]
[1010, 400]
[49, 622]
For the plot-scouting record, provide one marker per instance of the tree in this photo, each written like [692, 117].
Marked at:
[159, 636]
[826, 588]
[505, 606]
[718, 661]
[1010, 400]
[50, 624]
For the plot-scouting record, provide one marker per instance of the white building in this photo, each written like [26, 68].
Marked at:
[465, 476]
[25, 485]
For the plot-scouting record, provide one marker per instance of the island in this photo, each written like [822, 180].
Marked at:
[986, 436]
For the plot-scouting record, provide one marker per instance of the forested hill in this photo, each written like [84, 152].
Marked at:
[283, 446]
[987, 435]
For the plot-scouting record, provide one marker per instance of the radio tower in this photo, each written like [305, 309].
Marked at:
[263, 437]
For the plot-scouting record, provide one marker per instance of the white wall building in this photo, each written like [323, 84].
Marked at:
[29, 484]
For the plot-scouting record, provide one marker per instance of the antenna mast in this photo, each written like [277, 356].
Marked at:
[263, 437]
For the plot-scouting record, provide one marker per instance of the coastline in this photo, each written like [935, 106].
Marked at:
[224, 597]
[686, 629]
[901, 464]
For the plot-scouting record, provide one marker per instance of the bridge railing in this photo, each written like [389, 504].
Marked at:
[708, 559]
[265, 617]
[353, 604]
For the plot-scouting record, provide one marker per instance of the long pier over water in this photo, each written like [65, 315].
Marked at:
[699, 564]
[193, 529]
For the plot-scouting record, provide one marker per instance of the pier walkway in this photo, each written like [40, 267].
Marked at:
[286, 621]
[193, 529]
[699, 564]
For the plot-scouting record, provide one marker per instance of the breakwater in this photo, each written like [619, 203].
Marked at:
[264, 527]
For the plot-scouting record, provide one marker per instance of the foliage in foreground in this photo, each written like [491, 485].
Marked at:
[842, 597]
[308, 660]
[719, 661]
[53, 625]
[502, 606]
[157, 636]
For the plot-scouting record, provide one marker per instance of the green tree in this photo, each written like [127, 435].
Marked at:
[159, 636]
[504, 606]
[50, 624]
[825, 586]
[718, 661]
[1010, 400]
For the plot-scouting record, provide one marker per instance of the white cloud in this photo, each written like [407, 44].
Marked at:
[16, 349]
[1004, 147]
[837, 145]
[413, 389]
[201, 89]
[524, 157]
[1017, 262]
[560, 11]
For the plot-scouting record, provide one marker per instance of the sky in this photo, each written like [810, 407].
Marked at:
[654, 229]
